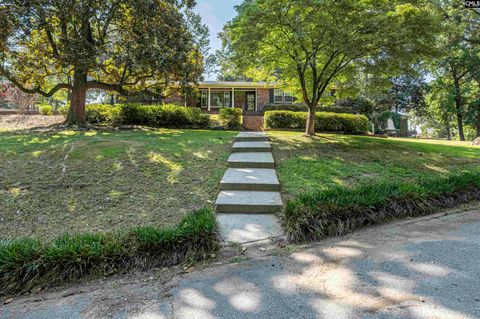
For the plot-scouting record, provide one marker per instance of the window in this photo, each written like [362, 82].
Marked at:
[278, 96]
[204, 100]
[288, 97]
[216, 99]
[226, 99]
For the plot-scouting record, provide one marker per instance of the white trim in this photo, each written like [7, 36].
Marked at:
[275, 95]
[233, 97]
[208, 103]
[225, 94]
[256, 99]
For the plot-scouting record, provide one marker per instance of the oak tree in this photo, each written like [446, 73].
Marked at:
[126, 46]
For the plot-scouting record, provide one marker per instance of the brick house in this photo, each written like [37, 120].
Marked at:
[251, 97]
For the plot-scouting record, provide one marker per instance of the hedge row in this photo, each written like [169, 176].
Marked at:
[339, 210]
[324, 121]
[27, 263]
[298, 107]
[168, 115]
[285, 107]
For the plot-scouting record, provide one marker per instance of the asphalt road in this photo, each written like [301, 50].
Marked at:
[419, 268]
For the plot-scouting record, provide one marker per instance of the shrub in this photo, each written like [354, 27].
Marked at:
[357, 105]
[339, 210]
[285, 107]
[336, 109]
[102, 114]
[26, 263]
[45, 109]
[231, 118]
[64, 109]
[324, 121]
[169, 116]
[298, 107]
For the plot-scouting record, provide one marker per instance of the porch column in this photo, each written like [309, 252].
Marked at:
[208, 101]
[256, 99]
[233, 97]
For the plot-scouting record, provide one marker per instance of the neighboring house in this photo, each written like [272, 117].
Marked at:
[393, 124]
[251, 97]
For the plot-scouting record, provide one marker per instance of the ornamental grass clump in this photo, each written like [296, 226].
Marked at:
[27, 263]
[340, 210]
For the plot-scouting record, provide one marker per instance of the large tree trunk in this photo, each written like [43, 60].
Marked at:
[459, 108]
[477, 123]
[310, 129]
[76, 114]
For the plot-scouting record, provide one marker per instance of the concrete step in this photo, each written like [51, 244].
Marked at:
[251, 160]
[251, 137]
[248, 202]
[250, 179]
[251, 147]
[245, 228]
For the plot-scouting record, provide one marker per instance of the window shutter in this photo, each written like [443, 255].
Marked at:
[271, 95]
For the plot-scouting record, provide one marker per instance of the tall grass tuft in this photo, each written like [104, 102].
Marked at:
[339, 210]
[26, 263]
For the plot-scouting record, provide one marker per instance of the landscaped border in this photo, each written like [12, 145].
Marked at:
[338, 211]
[27, 263]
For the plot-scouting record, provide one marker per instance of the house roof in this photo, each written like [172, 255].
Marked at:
[226, 84]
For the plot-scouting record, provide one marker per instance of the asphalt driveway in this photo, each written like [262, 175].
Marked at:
[419, 268]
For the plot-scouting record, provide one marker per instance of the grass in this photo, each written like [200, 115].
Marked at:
[102, 181]
[336, 183]
[26, 263]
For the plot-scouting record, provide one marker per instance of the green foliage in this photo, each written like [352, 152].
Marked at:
[103, 114]
[166, 116]
[339, 210]
[45, 109]
[109, 45]
[324, 121]
[285, 107]
[231, 118]
[315, 50]
[26, 263]
[357, 105]
[63, 110]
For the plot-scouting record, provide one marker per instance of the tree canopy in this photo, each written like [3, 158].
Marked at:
[308, 43]
[126, 46]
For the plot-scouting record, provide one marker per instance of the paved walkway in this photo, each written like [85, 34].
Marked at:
[419, 268]
[249, 192]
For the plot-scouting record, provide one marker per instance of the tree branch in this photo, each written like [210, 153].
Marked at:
[37, 89]
[119, 89]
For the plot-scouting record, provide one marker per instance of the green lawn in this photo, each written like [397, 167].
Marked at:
[328, 160]
[51, 183]
[336, 183]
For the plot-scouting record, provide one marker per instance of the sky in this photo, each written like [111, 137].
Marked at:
[215, 13]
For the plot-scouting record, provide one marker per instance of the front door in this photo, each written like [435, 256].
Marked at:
[250, 106]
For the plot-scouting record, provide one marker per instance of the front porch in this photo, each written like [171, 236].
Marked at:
[248, 96]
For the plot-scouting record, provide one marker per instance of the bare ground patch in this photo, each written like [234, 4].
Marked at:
[21, 121]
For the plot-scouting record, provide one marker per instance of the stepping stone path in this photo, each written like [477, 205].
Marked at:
[249, 191]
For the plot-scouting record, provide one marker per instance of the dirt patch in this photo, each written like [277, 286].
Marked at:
[12, 122]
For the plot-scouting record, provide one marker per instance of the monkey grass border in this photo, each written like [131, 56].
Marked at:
[26, 263]
[339, 211]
